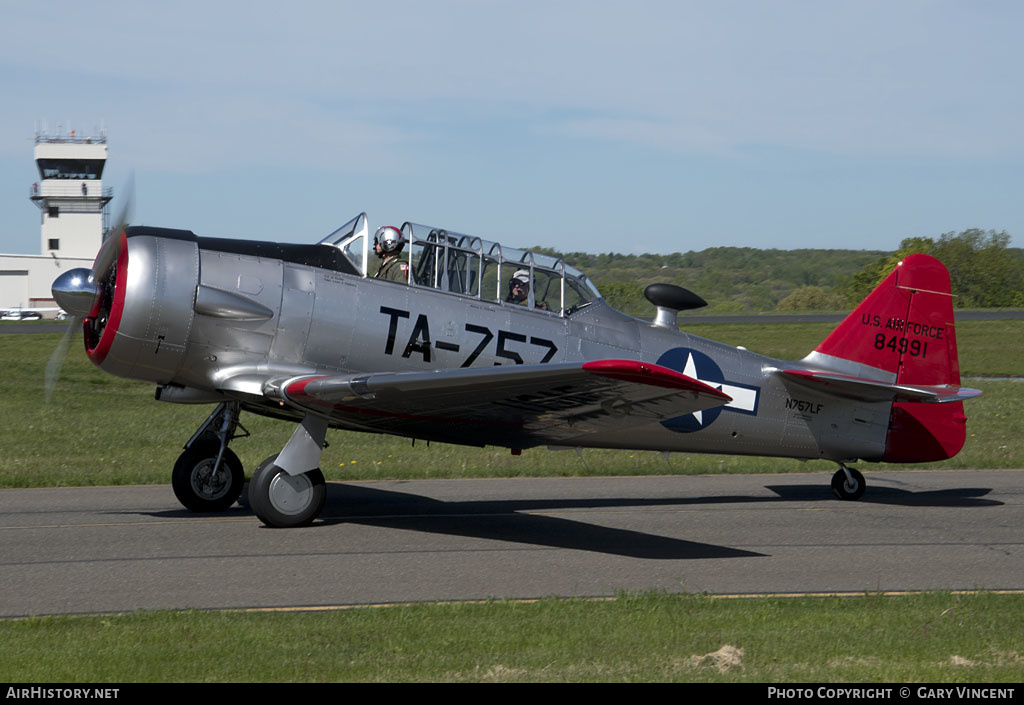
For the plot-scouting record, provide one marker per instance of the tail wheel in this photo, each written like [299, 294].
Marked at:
[195, 484]
[848, 488]
[281, 500]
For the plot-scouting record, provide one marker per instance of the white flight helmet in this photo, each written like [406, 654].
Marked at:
[389, 238]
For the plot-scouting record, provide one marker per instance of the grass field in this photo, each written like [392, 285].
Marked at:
[928, 638]
[100, 430]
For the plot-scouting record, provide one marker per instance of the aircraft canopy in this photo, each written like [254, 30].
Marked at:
[472, 267]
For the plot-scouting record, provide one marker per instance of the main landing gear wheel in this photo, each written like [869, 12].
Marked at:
[848, 488]
[281, 500]
[196, 486]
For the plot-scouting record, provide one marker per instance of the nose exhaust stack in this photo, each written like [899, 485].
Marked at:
[75, 291]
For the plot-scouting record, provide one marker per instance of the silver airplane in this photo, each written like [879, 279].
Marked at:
[304, 332]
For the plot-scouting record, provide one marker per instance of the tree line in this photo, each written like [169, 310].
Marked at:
[984, 271]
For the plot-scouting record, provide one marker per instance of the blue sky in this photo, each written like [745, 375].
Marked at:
[582, 125]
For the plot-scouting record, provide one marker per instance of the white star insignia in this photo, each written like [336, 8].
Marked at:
[742, 398]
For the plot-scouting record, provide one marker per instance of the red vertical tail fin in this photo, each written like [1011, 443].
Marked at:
[903, 333]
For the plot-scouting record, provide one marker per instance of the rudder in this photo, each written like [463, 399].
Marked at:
[903, 331]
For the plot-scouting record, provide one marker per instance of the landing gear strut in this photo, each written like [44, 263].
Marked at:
[848, 483]
[208, 476]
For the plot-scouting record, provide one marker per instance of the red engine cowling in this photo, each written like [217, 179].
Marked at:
[143, 310]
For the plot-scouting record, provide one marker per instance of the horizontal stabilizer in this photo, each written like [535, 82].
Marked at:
[872, 390]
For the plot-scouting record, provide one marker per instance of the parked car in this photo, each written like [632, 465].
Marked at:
[21, 316]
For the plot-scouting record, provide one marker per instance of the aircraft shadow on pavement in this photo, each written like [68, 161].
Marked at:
[507, 520]
[956, 497]
[511, 520]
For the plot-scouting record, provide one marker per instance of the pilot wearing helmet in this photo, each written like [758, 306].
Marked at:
[388, 244]
[519, 289]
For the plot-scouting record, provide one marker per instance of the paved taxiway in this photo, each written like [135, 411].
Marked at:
[84, 550]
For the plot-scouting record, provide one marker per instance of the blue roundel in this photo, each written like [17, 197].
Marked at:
[696, 364]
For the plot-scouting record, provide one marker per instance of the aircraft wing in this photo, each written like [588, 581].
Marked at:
[518, 406]
[871, 390]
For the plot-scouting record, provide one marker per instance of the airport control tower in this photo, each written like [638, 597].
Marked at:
[70, 193]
